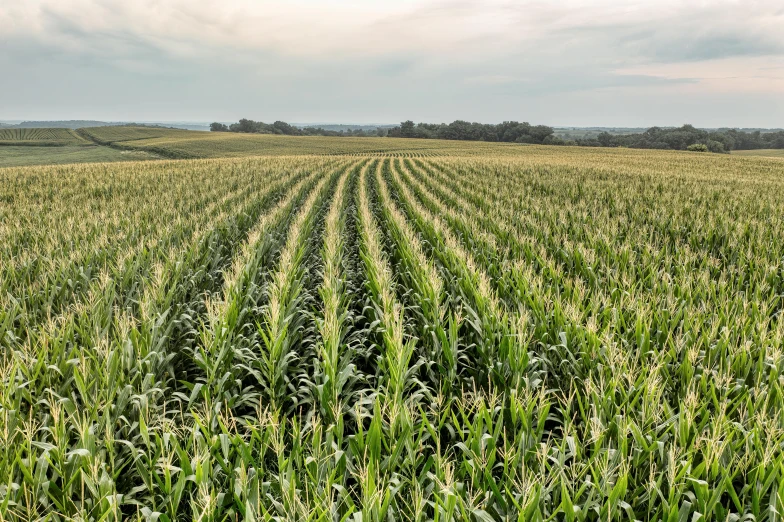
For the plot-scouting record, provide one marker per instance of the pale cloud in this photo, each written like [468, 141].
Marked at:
[748, 75]
[386, 60]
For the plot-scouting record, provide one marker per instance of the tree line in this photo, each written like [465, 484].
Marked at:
[281, 127]
[508, 131]
[686, 137]
[689, 137]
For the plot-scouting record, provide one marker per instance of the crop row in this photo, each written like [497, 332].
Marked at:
[406, 338]
[40, 137]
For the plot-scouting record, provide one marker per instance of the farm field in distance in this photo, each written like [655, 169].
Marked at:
[362, 329]
[176, 143]
[41, 146]
[40, 137]
[771, 153]
[18, 156]
[128, 143]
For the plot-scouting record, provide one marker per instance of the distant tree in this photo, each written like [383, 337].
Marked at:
[282, 127]
[775, 140]
[244, 125]
[605, 138]
[540, 132]
[697, 147]
[407, 129]
[508, 131]
[525, 138]
[678, 138]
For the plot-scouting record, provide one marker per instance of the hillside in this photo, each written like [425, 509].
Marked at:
[51, 137]
[78, 124]
[121, 143]
[49, 146]
[175, 143]
[63, 124]
[771, 153]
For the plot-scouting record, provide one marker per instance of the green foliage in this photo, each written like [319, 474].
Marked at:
[246, 126]
[452, 332]
[680, 138]
[508, 131]
[715, 146]
[697, 147]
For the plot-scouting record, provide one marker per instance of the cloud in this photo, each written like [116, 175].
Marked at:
[444, 59]
[315, 29]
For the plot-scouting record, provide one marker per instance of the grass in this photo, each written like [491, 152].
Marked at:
[448, 332]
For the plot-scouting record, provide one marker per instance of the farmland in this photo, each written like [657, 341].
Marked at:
[772, 153]
[176, 143]
[128, 143]
[37, 146]
[40, 137]
[369, 329]
[23, 155]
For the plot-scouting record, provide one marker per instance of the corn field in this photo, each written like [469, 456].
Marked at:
[41, 137]
[551, 335]
[185, 144]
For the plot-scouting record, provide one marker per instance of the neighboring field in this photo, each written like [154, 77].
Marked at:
[17, 156]
[21, 147]
[127, 133]
[773, 153]
[496, 333]
[175, 143]
[41, 137]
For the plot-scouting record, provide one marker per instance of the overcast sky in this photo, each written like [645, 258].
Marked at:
[570, 62]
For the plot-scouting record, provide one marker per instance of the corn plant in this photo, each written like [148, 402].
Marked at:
[346, 330]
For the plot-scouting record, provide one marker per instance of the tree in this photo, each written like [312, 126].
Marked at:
[605, 138]
[244, 125]
[697, 147]
[407, 129]
[284, 128]
[715, 146]
[218, 127]
[553, 140]
[540, 132]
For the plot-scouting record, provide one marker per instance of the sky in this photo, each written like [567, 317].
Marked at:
[630, 63]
